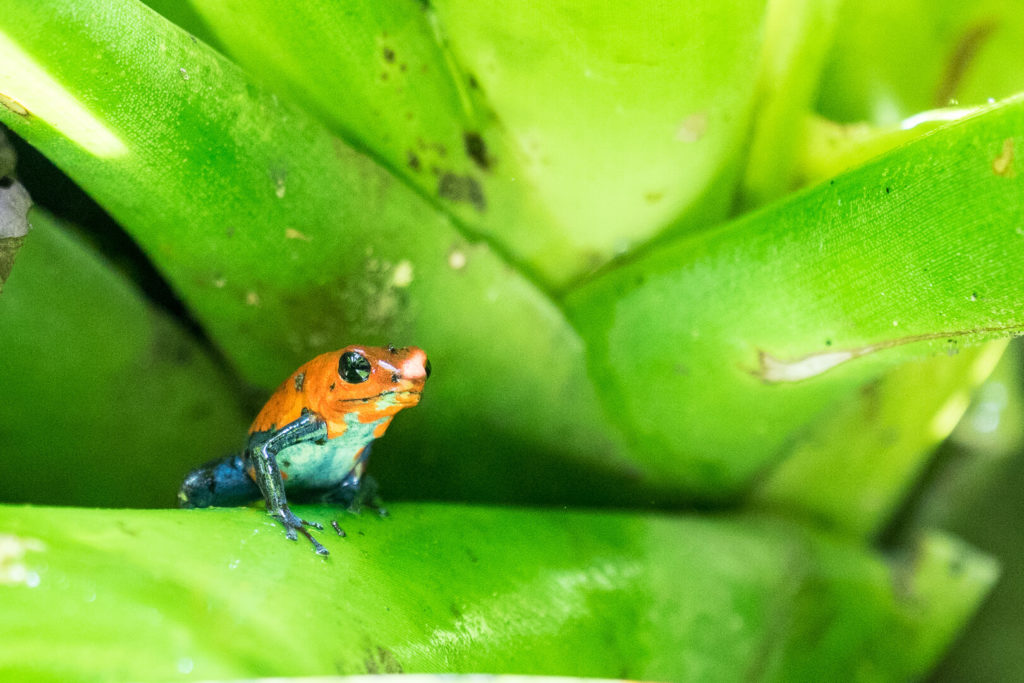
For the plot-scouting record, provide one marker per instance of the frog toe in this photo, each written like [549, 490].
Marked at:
[294, 525]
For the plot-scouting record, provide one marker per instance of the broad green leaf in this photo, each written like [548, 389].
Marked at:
[202, 594]
[106, 401]
[564, 135]
[626, 115]
[856, 464]
[285, 242]
[715, 350]
[893, 59]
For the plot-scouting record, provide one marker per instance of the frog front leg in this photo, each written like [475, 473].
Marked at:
[262, 456]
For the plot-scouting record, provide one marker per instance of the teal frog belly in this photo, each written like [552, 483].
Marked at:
[324, 465]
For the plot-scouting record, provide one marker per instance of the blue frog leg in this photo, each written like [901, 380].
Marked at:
[222, 482]
[262, 455]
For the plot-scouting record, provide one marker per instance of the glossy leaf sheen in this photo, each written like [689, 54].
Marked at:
[922, 244]
[202, 594]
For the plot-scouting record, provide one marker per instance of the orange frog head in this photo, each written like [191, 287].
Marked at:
[368, 383]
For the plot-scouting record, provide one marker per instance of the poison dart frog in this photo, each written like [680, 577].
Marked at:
[313, 436]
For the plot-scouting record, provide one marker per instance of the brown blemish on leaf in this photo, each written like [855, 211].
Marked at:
[293, 234]
[772, 370]
[388, 54]
[462, 188]
[963, 55]
[1002, 165]
[13, 105]
[693, 127]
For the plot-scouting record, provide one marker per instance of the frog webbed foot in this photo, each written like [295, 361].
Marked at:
[293, 523]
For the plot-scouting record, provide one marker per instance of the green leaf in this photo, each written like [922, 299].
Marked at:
[161, 595]
[894, 59]
[106, 401]
[573, 138]
[715, 350]
[285, 242]
[798, 35]
[853, 468]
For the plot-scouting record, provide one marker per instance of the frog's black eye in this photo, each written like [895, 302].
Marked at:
[353, 367]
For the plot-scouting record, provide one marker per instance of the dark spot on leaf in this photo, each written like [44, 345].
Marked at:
[383, 75]
[477, 150]
[828, 342]
[389, 55]
[462, 188]
[414, 161]
[887, 190]
[382, 661]
[473, 83]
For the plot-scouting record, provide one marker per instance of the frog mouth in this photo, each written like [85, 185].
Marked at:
[403, 397]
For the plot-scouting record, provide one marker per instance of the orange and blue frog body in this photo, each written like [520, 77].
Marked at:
[313, 436]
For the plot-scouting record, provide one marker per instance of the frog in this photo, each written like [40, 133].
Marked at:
[313, 436]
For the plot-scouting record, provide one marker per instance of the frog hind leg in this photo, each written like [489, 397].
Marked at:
[223, 482]
[261, 456]
[357, 489]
